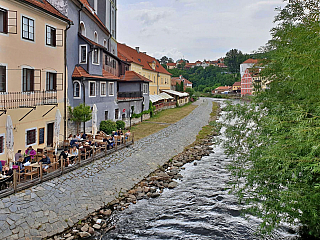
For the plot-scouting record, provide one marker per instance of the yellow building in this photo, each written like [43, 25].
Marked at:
[32, 72]
[146, 66]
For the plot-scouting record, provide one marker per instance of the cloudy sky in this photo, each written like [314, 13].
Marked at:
[195, 29]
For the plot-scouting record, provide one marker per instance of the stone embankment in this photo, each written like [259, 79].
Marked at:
[54, 206]
[100, 222]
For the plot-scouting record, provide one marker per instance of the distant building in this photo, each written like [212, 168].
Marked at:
[249, 63]
[222, 89]
[236, 87]
[178, 80]
[171, 65]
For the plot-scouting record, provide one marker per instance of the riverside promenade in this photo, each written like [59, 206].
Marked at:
[53, 206]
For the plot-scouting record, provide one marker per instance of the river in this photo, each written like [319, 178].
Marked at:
[200, 207]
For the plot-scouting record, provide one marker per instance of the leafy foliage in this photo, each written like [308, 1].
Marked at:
[108, 126]
[234, 58]
[120, 124]
[79, 114]
[276, 139]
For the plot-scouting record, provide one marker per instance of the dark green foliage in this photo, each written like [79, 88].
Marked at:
[276, 139]
[120, 124]
[234, 58]
[108, 126]
[208, 77]
[190, 91]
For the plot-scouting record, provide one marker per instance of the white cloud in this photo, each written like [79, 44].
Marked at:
[196, 29]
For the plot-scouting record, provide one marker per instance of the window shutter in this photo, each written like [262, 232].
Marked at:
[53, 37]
[31, 79]
[5, 22]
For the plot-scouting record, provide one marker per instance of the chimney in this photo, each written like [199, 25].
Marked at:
[180, 76]
[137, 49]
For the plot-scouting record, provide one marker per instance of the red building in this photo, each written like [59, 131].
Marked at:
[246, 83]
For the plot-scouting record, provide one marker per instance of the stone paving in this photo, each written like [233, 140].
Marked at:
[53, 206]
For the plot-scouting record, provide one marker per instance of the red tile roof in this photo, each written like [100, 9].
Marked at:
[47, 7]
[251, 61]
[129, 54]
[131, 76]
[79, 72]
[178, 79]
[223, 88]
[237, 84]
[171, 64]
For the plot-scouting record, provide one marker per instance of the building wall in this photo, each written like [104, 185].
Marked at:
[156, 84]
[16, 53]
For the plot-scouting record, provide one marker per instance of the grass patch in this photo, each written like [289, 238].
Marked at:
[168, 116]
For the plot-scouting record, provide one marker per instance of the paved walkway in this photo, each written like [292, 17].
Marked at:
[52, 206]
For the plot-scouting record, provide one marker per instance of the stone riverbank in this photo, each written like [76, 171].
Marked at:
[53, 206]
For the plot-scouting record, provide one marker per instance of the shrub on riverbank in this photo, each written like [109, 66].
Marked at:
[108, 126]
[120, 124]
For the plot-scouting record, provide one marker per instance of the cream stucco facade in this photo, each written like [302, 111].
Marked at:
[16, 54]
[163, 81]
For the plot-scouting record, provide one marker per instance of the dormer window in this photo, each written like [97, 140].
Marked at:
[95, 56]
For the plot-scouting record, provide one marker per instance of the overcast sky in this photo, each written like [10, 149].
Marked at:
[195, 29]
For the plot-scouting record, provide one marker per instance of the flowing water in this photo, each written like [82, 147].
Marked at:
[200, 207]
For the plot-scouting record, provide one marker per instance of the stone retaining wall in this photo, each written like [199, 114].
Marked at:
[53, 206]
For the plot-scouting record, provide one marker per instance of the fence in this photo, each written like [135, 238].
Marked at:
[97, 153]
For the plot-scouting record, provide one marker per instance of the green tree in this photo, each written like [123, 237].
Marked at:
[190, 91]
[233, 60]
[79, 114]
[108, 126]
[275, 141]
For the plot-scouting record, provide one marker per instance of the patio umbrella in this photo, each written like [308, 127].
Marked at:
[94, 120]
[9, 139]
[56, 132]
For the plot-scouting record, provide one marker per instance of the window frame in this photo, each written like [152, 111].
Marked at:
[26, 137]
[98, 56]
[3, 135]
[109, 87]
[84, 26]
[74, 82]
[105, 89]
[53, 39]
[6, 76]
[27, 68]
[5, 21]
[116, 117]
[145, 88]
[80, 53]
[55, 81]
[106, 113]
[22, 31]
[95, 88]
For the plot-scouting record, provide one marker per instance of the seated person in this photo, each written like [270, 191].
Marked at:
[74, 140]
[64, 155]
[74, 153]
[17, 158]
[127, 134]
[45, 162]
[120, 132]
[0, 168]
[70, 137]
[83, 135]
[7, 171]
[29, 154]
[78, 136]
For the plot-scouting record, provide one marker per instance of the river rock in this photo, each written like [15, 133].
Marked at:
[107, 212]
[146, 189]
[85, 228]
[113, 202]
[84, 234]
[91, 230]
[68, 235]
[172, 185]
[154, 195]
[96, 226]
[70, 238]
[178, 164]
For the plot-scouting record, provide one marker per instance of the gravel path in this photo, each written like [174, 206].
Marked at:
[52, 206]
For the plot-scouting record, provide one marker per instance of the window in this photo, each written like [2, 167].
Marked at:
[41, 136]
[116, 114]
[154, 79]
[145, 88]
[106, 62]
[103, 89]
[76, 89]
[96, 37]
[95, 56]
[28, 80]
[1, 143]
[106, 115]
[3, 79]
[161, 80]
[83, 54]
[27, 28]
[92, 89]
[51, 36]
[82, 29]
[111, 88]
[105, 43]
[51, 83]
[31, 137]
[3, 21]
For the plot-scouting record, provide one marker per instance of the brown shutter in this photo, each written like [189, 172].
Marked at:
[53, 37]
[54, 81]
[31, 79]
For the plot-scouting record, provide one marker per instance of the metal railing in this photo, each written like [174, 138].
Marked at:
[130, 94]
[14, 100]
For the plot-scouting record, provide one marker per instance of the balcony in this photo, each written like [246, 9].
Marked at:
[15, 100]
[124, 96]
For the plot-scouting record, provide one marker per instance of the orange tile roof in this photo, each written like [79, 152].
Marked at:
[79, 72]
[129, 54]
[171, 64]
[47, 7]
[223, 88]
[237, 84]
[251, 61]
[131, 76]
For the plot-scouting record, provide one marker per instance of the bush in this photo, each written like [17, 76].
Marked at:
[108, 126]
[120, 124]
